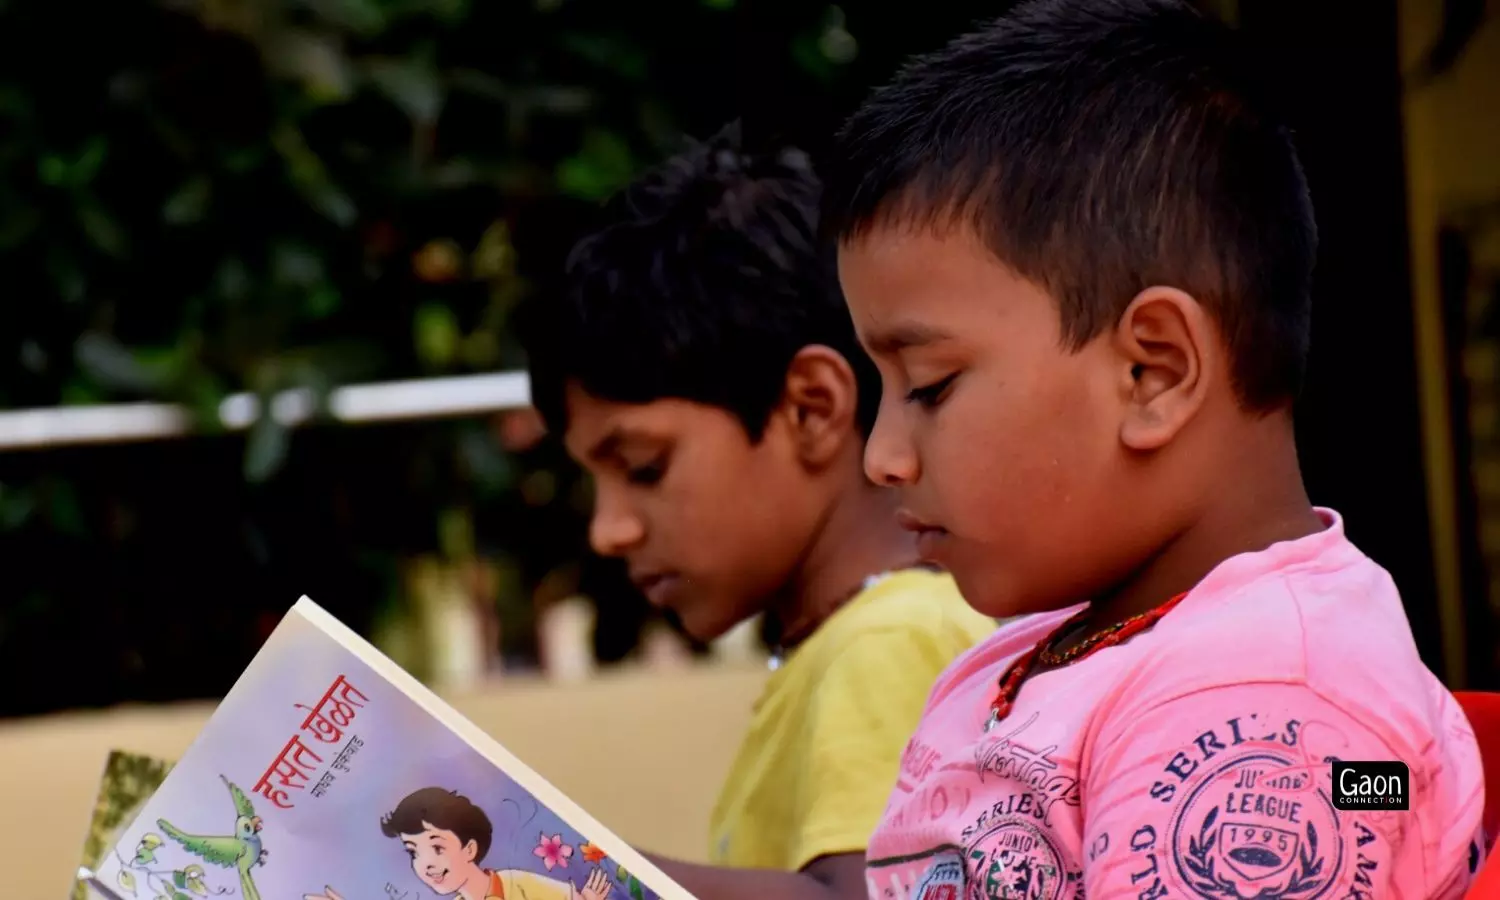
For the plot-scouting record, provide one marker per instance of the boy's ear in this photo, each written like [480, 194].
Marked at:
[1166, 339]
[471, 850]
[820, 399]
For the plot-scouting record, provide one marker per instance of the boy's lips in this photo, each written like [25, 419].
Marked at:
[914, 523]
[657, 586]
[929, 536]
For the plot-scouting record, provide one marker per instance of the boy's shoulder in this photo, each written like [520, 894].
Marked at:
[1331, 608]
[1330, 623]
[917, 601]
[912, 619]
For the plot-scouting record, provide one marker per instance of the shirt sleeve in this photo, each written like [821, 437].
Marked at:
[864, 709]
[1228, 792]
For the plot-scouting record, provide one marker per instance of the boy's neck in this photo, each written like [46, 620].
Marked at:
[1259, 502]
[476, 886]
[858, 538]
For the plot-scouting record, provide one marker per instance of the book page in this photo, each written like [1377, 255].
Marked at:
[327, 772]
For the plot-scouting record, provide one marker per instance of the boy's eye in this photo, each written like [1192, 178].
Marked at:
[438, 850]
[648, 474]
[932, 394]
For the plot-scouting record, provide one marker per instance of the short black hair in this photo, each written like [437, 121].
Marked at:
[707, 276]
[442, 809]
[1100, 147]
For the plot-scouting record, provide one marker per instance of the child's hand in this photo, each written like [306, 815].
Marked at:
[596, 888]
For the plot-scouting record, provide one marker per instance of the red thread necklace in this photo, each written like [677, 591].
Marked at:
[1043, 652]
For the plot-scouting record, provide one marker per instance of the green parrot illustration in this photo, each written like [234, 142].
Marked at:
[241, 850]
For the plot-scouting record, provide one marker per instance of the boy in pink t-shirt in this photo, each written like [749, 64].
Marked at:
[1079, 248]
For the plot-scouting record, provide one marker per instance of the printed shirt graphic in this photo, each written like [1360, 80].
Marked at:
[1194, 760]
[816, 766]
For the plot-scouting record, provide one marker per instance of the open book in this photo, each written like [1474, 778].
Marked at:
[328, 772]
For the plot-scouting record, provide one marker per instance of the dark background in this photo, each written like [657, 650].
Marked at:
[222, 196]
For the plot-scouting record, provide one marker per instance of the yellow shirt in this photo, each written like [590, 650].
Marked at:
[813, 773]
[514, 884]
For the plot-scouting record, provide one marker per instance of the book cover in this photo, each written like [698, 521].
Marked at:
[128, 781]
[328, 773]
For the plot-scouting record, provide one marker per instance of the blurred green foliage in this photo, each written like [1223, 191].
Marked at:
[200, 197]
[128, 781]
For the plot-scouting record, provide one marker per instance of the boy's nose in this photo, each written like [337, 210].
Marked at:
[614, 528]
[890, 460]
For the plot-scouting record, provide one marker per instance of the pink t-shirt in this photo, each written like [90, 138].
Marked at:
[1193, 760]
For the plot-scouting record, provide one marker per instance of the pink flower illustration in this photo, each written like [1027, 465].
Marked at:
[553, 852]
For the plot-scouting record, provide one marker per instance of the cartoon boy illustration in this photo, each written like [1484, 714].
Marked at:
[447, 837]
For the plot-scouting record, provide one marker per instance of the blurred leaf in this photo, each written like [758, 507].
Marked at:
[89, 161]
[60, 171]
[836, 43]
[15, 103]
[63, 509]
[456, 533]
[67, 275]
[333, 203]
[481, 350]
[80, 393]
[103, 230]
[189, 204]
[315, 59]
[126, 880]
[322, 302]
[18, 224]
[452, 12]
[342, 360]
[115, 366]
[202, 396]
[16, 506]
[295, 265]
[366, 17]
[490, 466]
[53, 170]
[232, 280]
[436, 333]
[311, 177]
[612, 52]
[265, 448]
[410, 84]
[495, 256]
[601, 166]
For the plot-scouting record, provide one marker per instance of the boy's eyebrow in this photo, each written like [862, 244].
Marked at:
[608, 445]
[904, 335]
[617, 437]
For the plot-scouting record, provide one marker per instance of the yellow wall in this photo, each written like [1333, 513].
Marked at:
[1453, 157]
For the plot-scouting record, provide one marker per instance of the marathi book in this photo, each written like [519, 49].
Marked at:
[329, 773]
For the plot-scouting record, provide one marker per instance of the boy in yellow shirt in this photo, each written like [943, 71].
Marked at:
[703, 367]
